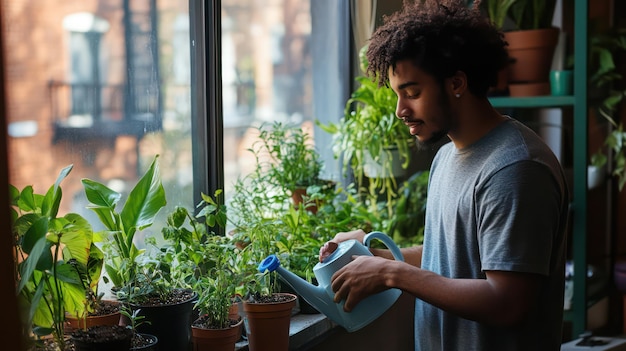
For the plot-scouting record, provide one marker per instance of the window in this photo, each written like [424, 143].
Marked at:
[106, 85]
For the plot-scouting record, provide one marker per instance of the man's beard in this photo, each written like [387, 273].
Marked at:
[434, 139]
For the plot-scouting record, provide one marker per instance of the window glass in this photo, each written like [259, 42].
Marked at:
[266, 72]
[103, 85]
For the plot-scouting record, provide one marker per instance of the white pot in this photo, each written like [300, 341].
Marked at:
[595, 176]
[374, 168]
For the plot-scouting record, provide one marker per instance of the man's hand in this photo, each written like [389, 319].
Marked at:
[330, 246]
[364, 276]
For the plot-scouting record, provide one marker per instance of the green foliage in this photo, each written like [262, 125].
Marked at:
[497, 10]
[532, 14]
[604, 76]
[201, 260]
[49, 251]
[141, 207]
[292, 161]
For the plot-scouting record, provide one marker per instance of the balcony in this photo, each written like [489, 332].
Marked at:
[84, 111]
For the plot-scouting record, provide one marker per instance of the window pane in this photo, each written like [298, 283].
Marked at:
[103, 85]
[266, 72]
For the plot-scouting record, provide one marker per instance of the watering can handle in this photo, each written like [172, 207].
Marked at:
[395, 251]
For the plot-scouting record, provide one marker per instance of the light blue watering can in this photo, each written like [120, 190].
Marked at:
[321, 296]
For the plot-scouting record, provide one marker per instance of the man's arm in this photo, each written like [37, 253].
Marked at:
[504, 298]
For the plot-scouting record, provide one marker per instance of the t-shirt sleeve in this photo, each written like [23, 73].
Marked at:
[518, 218]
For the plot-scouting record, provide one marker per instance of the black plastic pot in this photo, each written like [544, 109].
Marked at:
[171, 324]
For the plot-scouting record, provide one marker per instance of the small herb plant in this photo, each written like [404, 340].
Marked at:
[292, 161]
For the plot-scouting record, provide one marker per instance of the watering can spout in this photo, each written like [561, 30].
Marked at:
[315, 295]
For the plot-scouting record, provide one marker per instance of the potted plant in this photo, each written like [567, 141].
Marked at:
[205, 261]
[267, 311]
[140, 279]
[531, 46]
[46, 249]
[139, 341]
[217, 328]
[374, 144]
[290, 161]
[96, 311]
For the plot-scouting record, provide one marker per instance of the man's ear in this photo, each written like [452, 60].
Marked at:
[458, 83]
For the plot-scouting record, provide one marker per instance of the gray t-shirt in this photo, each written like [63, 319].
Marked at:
[499, 204]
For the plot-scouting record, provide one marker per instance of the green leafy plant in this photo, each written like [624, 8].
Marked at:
[48, 248]
[370, 131]
[605, 77]
[532, 14]
[218, 288]
[142, 205]
[292, 161]
[497, 10]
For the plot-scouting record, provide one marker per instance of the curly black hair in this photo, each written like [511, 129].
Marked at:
[441, 37]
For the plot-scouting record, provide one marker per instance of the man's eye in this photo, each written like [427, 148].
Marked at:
[412, 94]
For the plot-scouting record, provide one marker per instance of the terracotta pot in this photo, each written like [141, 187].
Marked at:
[529, 89]
[297, 198]
[268, 324]
[531, 52]
[216, 339]
[90, 321]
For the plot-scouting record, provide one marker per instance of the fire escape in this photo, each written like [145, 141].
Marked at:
[94, 109]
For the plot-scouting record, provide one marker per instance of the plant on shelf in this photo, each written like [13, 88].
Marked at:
[532, 14]
[531, 46]
[46, 249]
[605, 77]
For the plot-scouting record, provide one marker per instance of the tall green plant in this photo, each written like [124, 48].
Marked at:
[141, 207]
[47, 250]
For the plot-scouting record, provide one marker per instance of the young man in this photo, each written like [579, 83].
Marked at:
[490, 275]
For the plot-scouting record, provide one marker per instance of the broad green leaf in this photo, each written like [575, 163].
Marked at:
[144, 201]
[27, 268]
[52, 199]
[100, 195]
[26, 202]
[37, 230]
[77, 237]
[14, 194]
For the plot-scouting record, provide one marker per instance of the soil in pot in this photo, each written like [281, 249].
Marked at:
[102, 338]
[144, 342]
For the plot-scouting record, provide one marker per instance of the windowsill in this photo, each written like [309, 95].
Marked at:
[315, 332]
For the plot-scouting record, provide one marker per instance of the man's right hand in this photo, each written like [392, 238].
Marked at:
[330, 246]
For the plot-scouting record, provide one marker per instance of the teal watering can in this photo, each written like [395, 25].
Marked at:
[321, 296]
